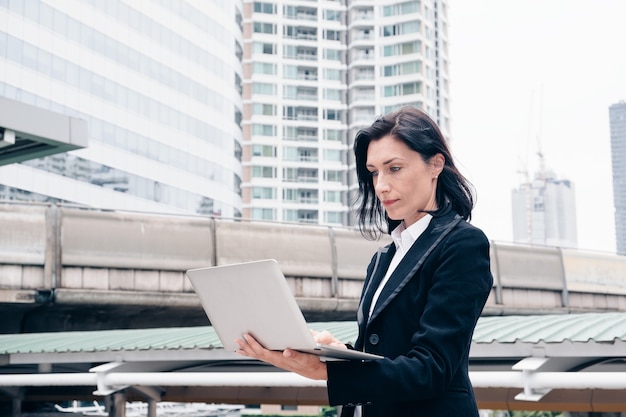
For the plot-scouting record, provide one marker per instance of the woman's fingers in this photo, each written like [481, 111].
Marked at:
[305, 364]
[326, 338]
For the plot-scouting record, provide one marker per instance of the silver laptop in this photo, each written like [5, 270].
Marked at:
[254, 298]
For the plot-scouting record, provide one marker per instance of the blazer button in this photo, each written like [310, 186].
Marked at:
[374, 339]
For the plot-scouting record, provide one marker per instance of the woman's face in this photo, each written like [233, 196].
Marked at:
[403, 182]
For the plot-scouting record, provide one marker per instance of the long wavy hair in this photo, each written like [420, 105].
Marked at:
[421, 134]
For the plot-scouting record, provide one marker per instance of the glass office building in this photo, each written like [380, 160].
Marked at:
[159, 83]
[617, 120]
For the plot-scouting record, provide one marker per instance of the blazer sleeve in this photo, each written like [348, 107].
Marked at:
[459, 284]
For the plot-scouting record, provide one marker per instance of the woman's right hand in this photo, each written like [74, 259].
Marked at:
[305, 364]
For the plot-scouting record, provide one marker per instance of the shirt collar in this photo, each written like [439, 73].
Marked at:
[404, 237]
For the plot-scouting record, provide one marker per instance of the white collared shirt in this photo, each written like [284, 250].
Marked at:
[403, 238]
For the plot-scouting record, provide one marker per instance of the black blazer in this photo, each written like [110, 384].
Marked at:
[422, 324]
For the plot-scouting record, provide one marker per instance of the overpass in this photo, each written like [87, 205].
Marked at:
[71, 268]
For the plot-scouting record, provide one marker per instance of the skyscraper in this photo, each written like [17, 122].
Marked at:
[617, 118]
[159, 83]
[317, 71]
[544, 211]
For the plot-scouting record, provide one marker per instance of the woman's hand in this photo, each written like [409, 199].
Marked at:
[304, 364]
[325, 338]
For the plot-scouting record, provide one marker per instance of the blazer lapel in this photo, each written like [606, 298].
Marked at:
[384, 256]
[413, 260]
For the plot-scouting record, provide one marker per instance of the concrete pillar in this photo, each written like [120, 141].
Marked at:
[152, 408]
[116, 404]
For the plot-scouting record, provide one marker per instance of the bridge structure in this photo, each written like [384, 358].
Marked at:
[95, 299]
[70, 268]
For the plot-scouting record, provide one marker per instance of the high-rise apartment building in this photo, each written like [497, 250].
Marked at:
[220, 107]
[159, 84]
[544, 212]
[317, 71]
[617, 118]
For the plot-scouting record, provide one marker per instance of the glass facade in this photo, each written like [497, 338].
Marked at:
[617, 119]
[159, 83]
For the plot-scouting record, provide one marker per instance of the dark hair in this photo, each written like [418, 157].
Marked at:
[420, 133]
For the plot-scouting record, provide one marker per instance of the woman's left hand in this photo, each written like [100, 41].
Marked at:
[304, 364]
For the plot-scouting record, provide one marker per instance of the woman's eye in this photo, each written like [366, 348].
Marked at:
[373, 173]
[394, 169]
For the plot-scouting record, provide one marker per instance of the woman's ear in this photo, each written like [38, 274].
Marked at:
[437, 162]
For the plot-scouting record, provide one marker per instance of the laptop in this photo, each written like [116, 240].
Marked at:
[254, 298]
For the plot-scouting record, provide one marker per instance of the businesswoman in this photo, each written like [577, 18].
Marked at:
[423, 293]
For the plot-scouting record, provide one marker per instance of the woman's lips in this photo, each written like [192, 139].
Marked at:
[388, 203]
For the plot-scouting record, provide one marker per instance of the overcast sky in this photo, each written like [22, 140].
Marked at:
[537, 75]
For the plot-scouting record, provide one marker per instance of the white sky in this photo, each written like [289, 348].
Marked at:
[532, 72]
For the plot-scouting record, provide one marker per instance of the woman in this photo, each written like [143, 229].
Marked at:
[423, 293]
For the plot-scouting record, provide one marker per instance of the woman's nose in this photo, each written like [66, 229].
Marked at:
[381, 185]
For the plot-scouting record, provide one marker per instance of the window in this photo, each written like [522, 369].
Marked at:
[403, 89]
[333, 134]
[264, 48]
[265, 193]
[332, 35]
[290, 72]
[264, 68]
[333, 176]
[289, 194]
[411, 67]
[332, 54]
[290, 51]
[335, 217]
[332, 74]
[263, 130]
[264, 150]
[264, 88]
[290, 215]
[290, 174]
[332, 155]
[406, 68]
[402, 49]
[332, 94]
[267, 8]
[262, 27]
[411, 88]
[332, 15]
[263, 214]
[401, 28]
[300, 32]
[332, 114]
[264, 109]
[332, 196]
[299, 113]
[402, 8]
[290, 92]
[290, 153]
[263, 172]
[410, 48]
[289, 407]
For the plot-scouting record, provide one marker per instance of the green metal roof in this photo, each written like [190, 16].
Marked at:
[137, 339]
[553, 328]
[580, 328]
